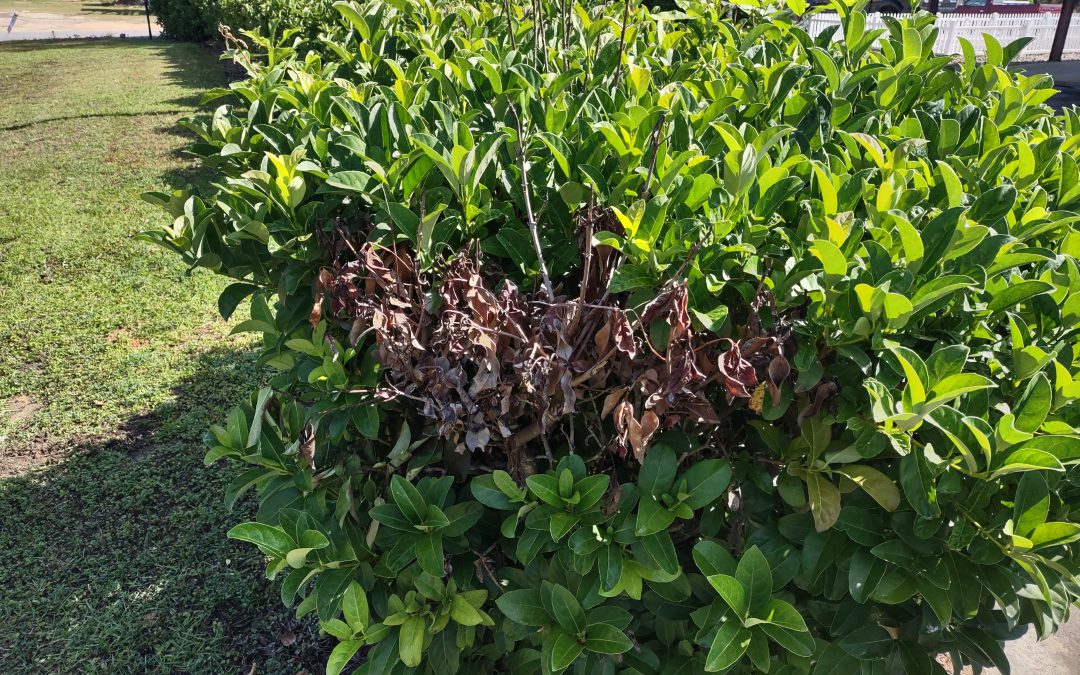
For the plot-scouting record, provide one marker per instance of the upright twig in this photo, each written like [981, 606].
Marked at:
[548, 289]
[589, 232]
[565, 27]
[579, 309]
[510, 24]
[655, 142]
[622, 45]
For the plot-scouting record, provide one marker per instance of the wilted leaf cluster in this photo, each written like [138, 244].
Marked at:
[614, 341]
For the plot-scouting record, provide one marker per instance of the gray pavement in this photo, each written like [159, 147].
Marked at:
[1066, 76]
[1058, 655]
[30, 25]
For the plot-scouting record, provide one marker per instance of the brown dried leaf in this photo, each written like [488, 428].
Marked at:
[623, 332]
[779, 369]
[611, 400]
[641, 433]
[736, 372]
[602, 338]
[307, 446]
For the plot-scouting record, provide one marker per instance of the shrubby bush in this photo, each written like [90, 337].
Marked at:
[614, 341]
[198, 20]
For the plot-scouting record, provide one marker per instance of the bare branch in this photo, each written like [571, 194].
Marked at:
[548, 289]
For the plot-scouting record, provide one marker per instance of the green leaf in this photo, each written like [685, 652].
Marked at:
[408, 499]
[1035, 405]
[1032, 503]
[560, 524]
[835, 661]
[706, 481]
[755, 575]
[355, 607]
[391, 516]
[937, 235]
[730, 643]
[953, 386]
[937, 598]
[604, 638]
[629, 277]
[652, 517]
[546, 489]
[429, 553]
[876, 484]
[592, 489]
[271, 540]
[232, 296]
[342, 654]
[865, 573]
[712, 558]
[799, 644]
[559, 150]
[993, 205]
[824, 501]
[485, 491]
[732, 592]
[609, 560]
[350, 181]
[914, 370]
[1054, 534]
[658, 471]
[779, 613]
[918, 484]
[832, 259]
[330, 588]
[464, 613]
[1017, 293]
[867, 642]
[564, 651]
[567, 610]
[659, 547]
[524, 607]
[411, 641]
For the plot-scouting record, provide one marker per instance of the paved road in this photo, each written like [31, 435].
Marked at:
[1066, 76]
[1059, 655]
[47, 26]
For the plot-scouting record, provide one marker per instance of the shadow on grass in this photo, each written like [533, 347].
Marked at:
[113, 8]
[88, 116]
[116, 559]
[195, 75]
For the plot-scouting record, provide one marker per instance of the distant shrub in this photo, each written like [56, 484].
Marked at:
[198, 20]
[614, 341]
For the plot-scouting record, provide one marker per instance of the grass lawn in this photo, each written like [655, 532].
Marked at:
[65, 7]
[101, 8]
[112, 364]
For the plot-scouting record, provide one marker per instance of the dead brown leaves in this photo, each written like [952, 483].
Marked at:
[489, 365]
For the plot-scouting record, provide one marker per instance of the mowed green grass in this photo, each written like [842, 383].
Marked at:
[64, 7]
[112, 364]
[90, 9]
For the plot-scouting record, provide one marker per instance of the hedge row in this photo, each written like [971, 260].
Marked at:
[199, 20]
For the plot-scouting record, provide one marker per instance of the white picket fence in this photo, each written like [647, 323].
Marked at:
[1004, 27]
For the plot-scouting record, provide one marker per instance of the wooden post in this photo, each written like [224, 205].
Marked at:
[1062, 29]
[149, 28]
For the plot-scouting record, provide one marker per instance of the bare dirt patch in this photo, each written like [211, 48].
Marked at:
[20, 408]
[39, 452]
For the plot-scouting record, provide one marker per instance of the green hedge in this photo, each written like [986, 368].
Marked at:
[198, 20]
[615, 341]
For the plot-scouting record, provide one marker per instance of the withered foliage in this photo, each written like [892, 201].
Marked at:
[492, 366]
